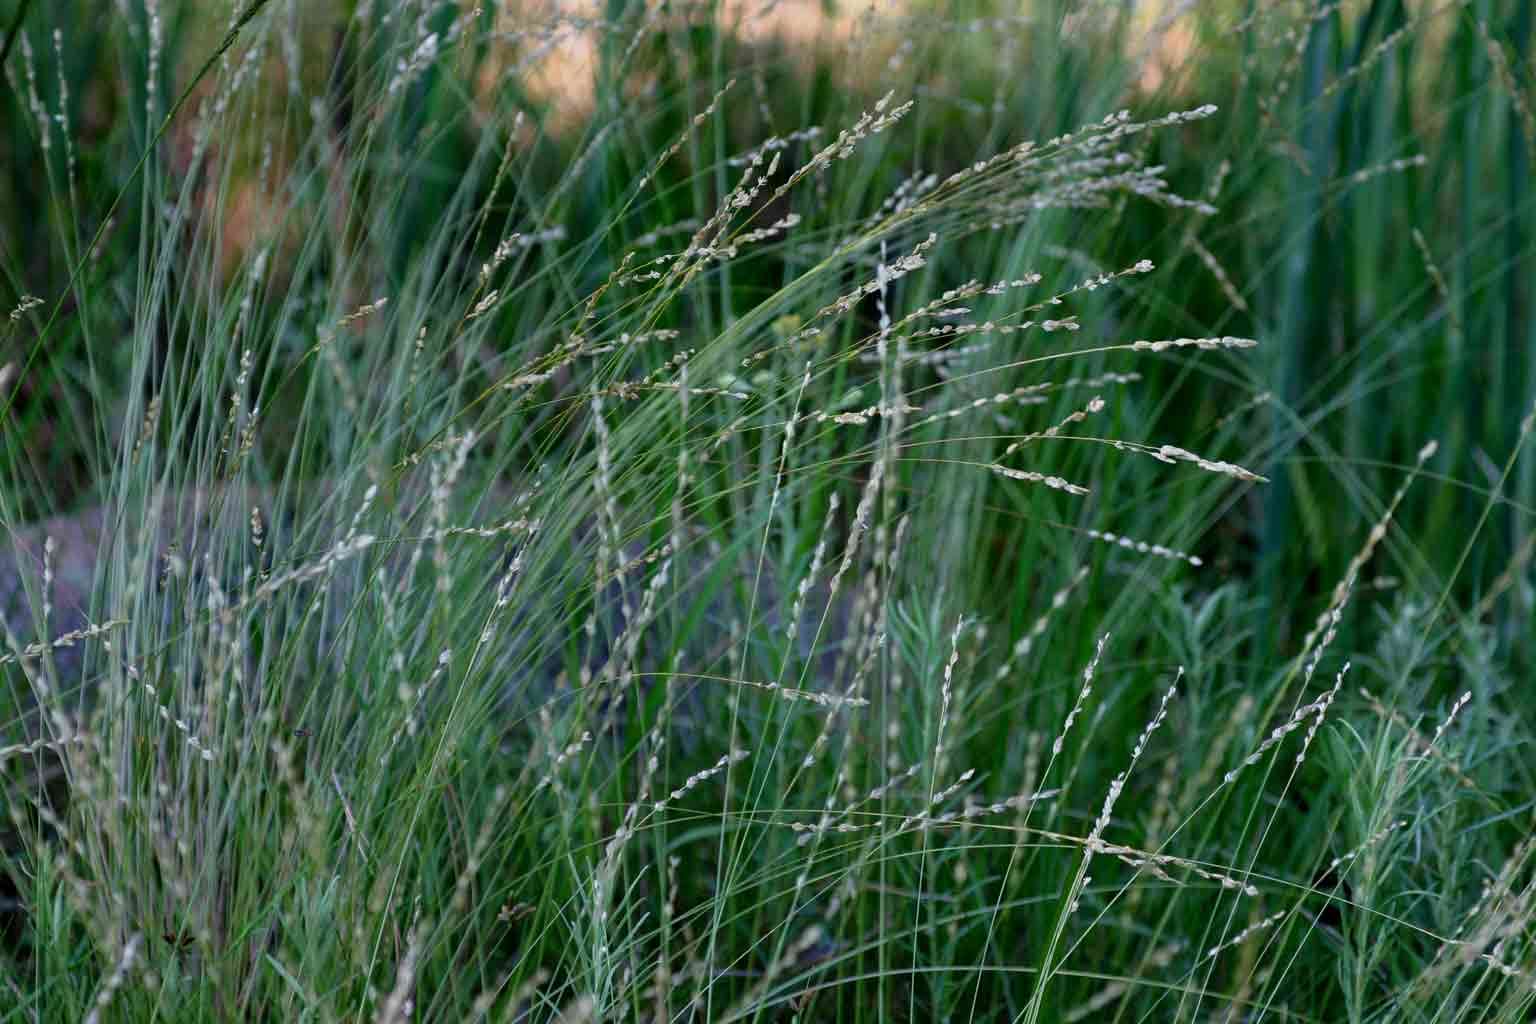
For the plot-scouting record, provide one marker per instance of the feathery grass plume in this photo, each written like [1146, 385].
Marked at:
[1219, 273]
[1095, 405]
[1247, 933]
[1436, 277]
[34, 100]
[1293, 39]
[925, 819]
[414, 698]
[1172, 454]
[1512, 574]
[49, 548]
[1420, 743]
[1461, 702]
[1094, 843]
[790, 693]
[37, 746]
[608, 529]
[323, 566]
[1377, 534]
[1156, 864]
[38, 649]
[1397, 166]
[1376, 839]
[1323, 704]
[116, 979]
[698, 778]
[1055, 483]
[1314, 711]
[1118, 785]
[354, 832]
[802, 591]
[1027, 640]
[1502, 908]
[460, 902]
[326, 346]
[833, 823]
[604, 918]
[869, 616]
[552, 776]
[855, 686]
[182, 726]
[946, 694]
[1205, 344]
[1143, 548]
[1519, 97]
[23, 307]
[634, 630]
[399, 1006]
[1060, 742]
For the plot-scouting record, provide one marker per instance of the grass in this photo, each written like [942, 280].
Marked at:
[839, 526]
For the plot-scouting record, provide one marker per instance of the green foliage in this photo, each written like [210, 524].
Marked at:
[732, 545]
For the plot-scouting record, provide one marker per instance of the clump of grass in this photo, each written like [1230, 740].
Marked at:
[663, 571]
